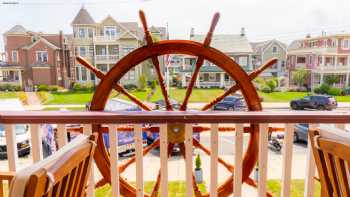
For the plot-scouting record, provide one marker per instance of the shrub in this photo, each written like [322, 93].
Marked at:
[153, 84]
[324, 88]
[272, 84]
[10, 87]
[43, 87]
[266, 89]
[77, 87]
[335, 91]
[346, 91]
[198, 162]
[53, 88]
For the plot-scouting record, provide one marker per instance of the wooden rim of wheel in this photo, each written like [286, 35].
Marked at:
[243, 83]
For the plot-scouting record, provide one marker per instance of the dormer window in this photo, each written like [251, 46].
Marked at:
[110, 32]
[82, 32]
[346, 44]
[274, 49]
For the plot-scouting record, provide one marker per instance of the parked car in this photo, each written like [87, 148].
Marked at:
[21, 130]
[319, 102]
[231, 103]
[160, 104]
[22, 139]
[301, 132]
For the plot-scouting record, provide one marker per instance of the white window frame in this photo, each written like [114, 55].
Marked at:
[12, 56]
[243, 61]
[110, 36]
[84, 30]
[274, 51]
[41, 56]
[345, 46]
[86, 51]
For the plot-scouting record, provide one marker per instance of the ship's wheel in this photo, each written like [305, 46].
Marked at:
[152, 50]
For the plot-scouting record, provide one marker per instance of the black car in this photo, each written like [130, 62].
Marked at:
[231, 103]
[319, 102]
[160, 104]
[301, 132]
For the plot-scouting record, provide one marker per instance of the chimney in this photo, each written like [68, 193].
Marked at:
[192, 33]
[242, 32]
[308, 35]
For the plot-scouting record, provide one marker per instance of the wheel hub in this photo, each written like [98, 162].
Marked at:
[176, 133]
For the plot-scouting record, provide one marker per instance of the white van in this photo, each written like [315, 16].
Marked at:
[22, 136]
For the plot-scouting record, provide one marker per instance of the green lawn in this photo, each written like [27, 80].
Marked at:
[297, 187]
[198, 95]
[67, 108]
[7, 95]
[175, 188]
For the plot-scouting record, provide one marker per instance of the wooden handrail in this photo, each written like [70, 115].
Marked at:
[39, 117]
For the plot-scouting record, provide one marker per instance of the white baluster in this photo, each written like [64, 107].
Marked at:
[238, 160]
[11, 145]
[287, 159]
[188, 155]
[164, 160]
[36, 140]
[139, 160]
[113, 150]
[263, 143]
[214, 137]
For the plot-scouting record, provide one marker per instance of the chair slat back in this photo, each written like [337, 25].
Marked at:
[332, 156]
[65, 176]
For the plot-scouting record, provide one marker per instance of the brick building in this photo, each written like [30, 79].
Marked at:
[35, 58]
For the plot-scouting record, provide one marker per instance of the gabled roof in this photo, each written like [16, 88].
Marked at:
[83, 18]
[260, 47]
[17, 29]
[41, 39]
[227, 43]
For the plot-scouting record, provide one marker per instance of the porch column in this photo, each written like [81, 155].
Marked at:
[321, 78]
[197, 81]
[335, 62]
[250, 63]
[347, 79]
[323, 60]
[183, 79]
[20, 78]
[222, 80]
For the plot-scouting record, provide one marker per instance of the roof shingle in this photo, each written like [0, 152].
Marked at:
[83, 18]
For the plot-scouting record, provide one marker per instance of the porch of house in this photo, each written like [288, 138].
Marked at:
[211, 122]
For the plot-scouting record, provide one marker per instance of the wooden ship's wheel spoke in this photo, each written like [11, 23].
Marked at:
[152, 50]
[155, 61]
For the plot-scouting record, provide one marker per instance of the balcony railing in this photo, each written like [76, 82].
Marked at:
[105, 39]
[107, 58]
[238, 121]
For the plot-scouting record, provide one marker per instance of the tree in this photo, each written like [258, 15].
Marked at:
[331, 79]
[300, 77]
[142, 82]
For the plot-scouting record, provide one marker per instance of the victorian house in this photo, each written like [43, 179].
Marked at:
[104, 43]
[322, 56]
[34, 58]
[234, 45]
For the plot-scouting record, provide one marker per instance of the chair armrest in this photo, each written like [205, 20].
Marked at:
[7, 176]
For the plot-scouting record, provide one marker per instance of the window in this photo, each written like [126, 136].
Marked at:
[77, 72]
[110, 32]
[345, 44]
[92, 76]
[243, 61]
[90, 33]
[83, 74]
[132, 74]
[127, 50]
[41, 56]
[310, 59]
[82, 51]
[14, 56]
[274, 49]
[82, 32]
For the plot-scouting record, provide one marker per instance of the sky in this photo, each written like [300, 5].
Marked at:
[285, 20]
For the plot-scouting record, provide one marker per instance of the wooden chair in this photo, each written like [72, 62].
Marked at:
[331, 149]
[65, 173]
